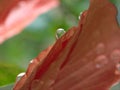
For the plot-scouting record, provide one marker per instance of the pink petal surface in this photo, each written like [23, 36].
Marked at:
[87, 57]
[17, 14]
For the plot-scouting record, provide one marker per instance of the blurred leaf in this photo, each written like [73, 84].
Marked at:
[8, 73]
[7, 87]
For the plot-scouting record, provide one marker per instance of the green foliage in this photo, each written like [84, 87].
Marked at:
[7, 87]
[8, 73]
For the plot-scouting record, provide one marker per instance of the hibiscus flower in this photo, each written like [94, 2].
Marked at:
[87, 57]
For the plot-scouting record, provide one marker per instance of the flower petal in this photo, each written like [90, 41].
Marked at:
[17, 14]
[87, 57]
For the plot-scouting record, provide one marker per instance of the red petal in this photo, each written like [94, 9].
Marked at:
[85, 58]
[17, 14]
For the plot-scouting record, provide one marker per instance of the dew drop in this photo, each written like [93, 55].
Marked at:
[19, 76]
[100, 61]
[80, 15]
[115, 55]
[60, 32]
[31, 61]
[100, 48]
[117, 71]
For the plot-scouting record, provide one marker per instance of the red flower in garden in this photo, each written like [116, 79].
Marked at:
[17, 14]
[87, 57]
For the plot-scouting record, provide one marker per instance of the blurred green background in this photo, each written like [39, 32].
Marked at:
[16, 52]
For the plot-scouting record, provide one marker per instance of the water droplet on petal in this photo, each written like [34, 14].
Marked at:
[19, 76]
[100, 61]
[117, 71]
[60, 32]
[31, 61]
[100, 48]
[115, 55]
[80, 15]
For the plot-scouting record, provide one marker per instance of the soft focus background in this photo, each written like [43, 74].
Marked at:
[16, 52]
